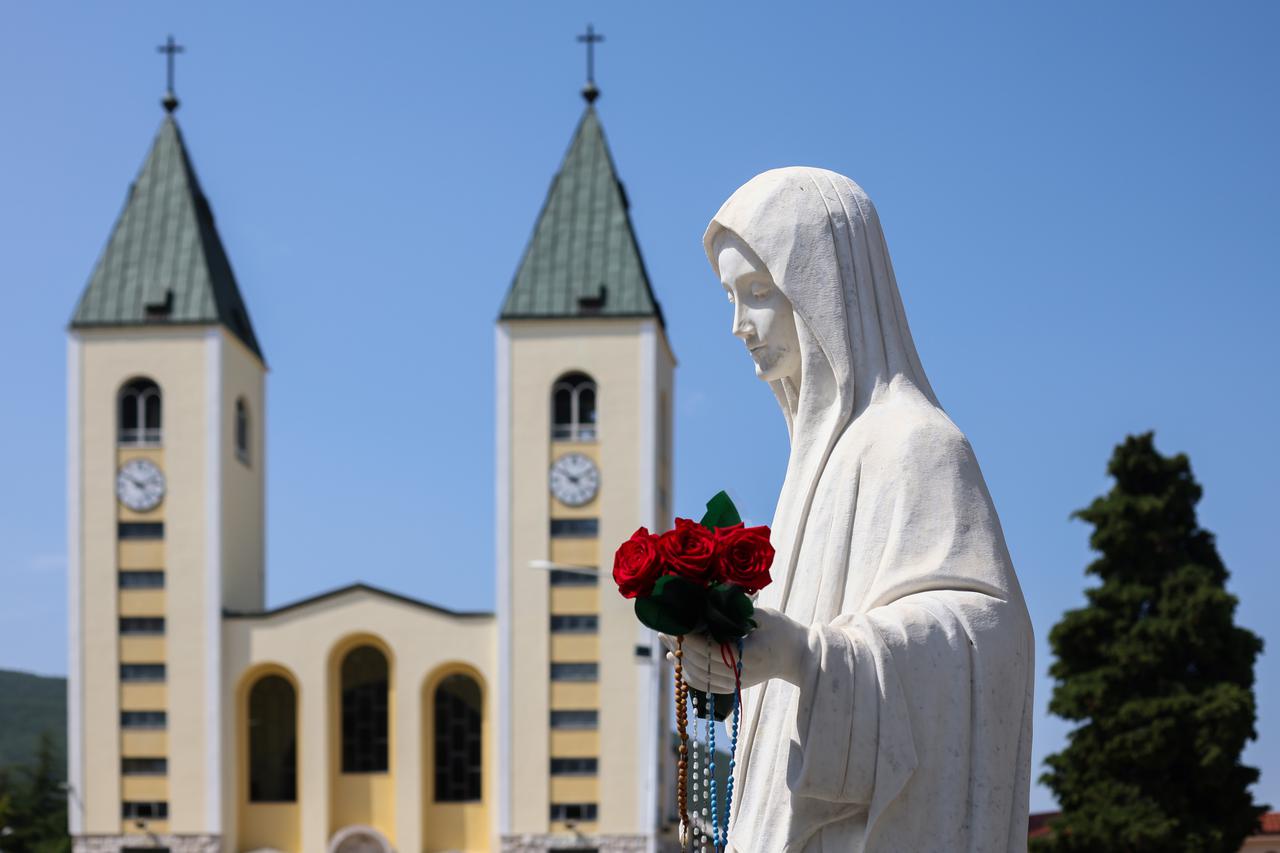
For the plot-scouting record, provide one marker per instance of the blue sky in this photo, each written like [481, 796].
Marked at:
[1081, 201]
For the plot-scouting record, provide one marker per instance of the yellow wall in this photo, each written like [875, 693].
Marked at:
[142, 649]
[575, 647]
[574, 789]
[631, 364]
[307, 641]
[574, 695]
[269, 826]
[204, 568]
[104, 360]
[455, 826]
[144, 743]
[574, 743]
[243, 485]
[144, 696]
[141, 602]
[145, 788]
[141, 554]
[367, 799]
[569, 600]
[574, 552]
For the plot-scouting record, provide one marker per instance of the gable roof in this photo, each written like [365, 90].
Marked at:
[164, 263]
[583, 259]
[352, 589]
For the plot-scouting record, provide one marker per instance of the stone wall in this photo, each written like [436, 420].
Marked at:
[173, 843]
[601, 843]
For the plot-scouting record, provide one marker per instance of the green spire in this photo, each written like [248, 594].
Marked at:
[164, 263]
[583, 260]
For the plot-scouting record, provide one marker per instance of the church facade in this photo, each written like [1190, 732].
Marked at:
[360, 719]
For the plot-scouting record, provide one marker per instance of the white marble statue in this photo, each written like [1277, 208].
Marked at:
[890, 677]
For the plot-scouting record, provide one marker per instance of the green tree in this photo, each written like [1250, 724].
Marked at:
[33, 805]
[6, 809]
[1157, 674]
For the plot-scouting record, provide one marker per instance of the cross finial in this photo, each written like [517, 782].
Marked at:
[591, 38]
[169, 48]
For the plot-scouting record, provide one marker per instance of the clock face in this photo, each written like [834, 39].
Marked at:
[140, 485]
[575, 479]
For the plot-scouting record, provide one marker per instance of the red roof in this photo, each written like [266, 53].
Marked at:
[1270, 823]
[1038, 824]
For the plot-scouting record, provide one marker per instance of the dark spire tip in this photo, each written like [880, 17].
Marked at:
[590, 92]
[170, 102]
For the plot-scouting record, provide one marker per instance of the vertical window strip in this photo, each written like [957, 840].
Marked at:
[458, 740]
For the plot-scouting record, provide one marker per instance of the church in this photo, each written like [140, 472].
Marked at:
[361, 720]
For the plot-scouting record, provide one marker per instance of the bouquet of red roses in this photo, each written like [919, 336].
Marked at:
[698, 576]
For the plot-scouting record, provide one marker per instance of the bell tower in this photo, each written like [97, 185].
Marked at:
[584, 388]
[166, 461]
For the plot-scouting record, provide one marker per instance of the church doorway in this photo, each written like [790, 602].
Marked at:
[359, 839]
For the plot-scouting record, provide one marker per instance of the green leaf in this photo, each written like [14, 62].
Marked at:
[674, 607]
[729, 612]
[721, 512]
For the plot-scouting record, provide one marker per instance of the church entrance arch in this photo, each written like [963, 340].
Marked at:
[359, 839]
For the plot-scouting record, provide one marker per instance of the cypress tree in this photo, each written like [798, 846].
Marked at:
[1157, 674]
[33, 806]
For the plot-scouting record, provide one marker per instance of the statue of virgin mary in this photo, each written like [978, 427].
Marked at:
[892, 668]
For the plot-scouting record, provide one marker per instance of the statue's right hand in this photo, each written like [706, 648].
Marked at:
[703, 667]
[775, 649]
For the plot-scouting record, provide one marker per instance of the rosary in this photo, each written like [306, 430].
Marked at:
[693, 832]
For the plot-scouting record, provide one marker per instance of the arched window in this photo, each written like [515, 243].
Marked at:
[573, 408]
[140, 413]
[273, 741]
[364, 711]
[242, 430]
[458, 712]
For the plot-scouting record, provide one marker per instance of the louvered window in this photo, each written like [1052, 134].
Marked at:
[140, 413]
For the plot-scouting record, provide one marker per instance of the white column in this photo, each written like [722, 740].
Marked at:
[214, 449]
[501, 694]
[75, 675]
[650, 688]
[314, 772]
[406, 753]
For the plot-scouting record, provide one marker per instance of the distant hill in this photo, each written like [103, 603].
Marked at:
[31, 704]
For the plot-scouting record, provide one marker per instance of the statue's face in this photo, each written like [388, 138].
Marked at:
[762, 314]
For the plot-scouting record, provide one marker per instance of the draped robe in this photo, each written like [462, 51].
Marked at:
[910, 729]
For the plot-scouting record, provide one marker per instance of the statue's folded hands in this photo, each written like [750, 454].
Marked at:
[775, 649]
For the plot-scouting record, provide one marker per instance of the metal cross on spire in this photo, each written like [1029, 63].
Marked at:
[591, 38]
[170, 48]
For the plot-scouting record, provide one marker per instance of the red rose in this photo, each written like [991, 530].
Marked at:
[743, 556]
[637, 564]
[689, 550]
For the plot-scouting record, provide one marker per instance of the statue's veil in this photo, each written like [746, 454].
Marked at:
[819, 236]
